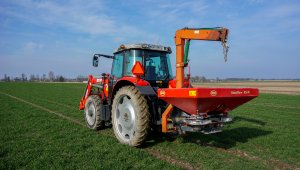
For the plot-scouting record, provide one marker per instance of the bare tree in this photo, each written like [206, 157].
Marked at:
[81, 78]
[44, 77]
[197, 78]
[61, 79]
[6, 78]
[51, 76]
[37, 77]
[32, 77]
[23, 77]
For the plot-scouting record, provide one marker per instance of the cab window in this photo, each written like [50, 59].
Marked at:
[131, 57]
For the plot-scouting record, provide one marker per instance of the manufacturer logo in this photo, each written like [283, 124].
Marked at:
[236, 92]
[213, 93]
[192, 93]
[162, 93]
[240, 92]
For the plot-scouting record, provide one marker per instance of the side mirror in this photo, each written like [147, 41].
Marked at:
[95, 61]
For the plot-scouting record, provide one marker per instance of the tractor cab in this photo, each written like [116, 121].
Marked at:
[154, 59]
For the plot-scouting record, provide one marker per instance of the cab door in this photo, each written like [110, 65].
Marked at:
[117, 66]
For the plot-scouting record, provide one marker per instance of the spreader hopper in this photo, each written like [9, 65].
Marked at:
[207, 100]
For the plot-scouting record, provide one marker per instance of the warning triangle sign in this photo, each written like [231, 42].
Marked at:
[138, 69]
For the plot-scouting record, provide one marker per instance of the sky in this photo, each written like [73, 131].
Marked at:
[38, 36]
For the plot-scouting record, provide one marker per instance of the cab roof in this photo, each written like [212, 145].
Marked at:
[144, 46]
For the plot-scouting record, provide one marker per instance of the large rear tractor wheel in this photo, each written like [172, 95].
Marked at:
[130, 116]
[92, 112]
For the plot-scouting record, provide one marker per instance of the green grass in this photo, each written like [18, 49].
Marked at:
[264, 135]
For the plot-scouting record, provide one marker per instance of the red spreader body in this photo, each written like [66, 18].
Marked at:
[207, 100]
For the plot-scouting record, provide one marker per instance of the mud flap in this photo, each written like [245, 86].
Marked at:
[146, 90]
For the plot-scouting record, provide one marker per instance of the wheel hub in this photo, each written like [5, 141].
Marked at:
[125, 118]
[91, 114]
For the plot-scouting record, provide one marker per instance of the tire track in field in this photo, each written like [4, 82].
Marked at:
[44, 109]
[156, 154]
[166, 158]
[60, 104]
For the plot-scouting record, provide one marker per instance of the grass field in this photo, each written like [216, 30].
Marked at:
[42, 128]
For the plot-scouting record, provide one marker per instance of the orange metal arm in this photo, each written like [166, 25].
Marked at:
[164, 119]
[217, 34]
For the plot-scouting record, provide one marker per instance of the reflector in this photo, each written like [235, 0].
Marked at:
[138, 69]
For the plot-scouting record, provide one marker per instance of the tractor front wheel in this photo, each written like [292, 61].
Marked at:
[130, 116]
[92, 112]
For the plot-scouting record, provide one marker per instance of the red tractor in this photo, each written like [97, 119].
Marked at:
[140, 92]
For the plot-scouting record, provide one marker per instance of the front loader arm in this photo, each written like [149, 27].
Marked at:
[99, 83]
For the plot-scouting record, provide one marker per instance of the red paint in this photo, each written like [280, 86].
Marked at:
[204, 100]
[138, 69]
[186, 83]
[91, 81]
[135, 80]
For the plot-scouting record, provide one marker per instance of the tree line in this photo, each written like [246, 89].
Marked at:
[50, 77]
